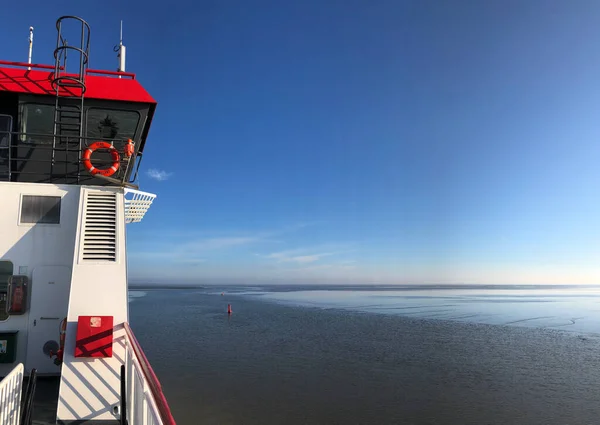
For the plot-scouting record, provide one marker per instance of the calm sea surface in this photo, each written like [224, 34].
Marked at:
[374, 356]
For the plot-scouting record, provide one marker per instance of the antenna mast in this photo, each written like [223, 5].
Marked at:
[121, 50]
[30, 46]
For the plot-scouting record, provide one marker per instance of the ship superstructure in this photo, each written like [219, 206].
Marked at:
[71, 143]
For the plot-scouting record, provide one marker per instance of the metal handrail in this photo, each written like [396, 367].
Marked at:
[27, 403]
[137, 204]
[153, 383]
[62, 68]
[11, 392]
[16, 144]
[28, 65]
[113, 73]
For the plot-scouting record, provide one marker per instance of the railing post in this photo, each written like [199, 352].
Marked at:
[145, 403]
[123, 397]
[130, 381]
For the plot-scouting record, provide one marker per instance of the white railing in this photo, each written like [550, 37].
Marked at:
[146, 403]
[136, 204]
[11, 389]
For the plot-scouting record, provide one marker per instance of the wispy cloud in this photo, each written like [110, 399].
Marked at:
[159, 175]
[193, 262]
[307, 255]
[178, 246]
[189, 250]
[210, 244]
[176, 232]
[290, 257]
[328, 267]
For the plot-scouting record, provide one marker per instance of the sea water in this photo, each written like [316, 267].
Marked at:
[328, 355]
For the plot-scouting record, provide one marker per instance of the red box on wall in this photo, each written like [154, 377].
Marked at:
[94, 336]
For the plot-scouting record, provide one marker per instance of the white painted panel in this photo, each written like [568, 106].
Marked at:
[89, 387]
[49, 302]
[29, 245]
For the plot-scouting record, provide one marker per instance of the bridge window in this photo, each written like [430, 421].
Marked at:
[6, 270]
[111, 124]
[37, 122]
[40, 209]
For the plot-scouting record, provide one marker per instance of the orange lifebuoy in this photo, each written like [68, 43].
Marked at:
[87, 155]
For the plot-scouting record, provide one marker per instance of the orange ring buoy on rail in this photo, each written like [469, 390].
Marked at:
[87, 155]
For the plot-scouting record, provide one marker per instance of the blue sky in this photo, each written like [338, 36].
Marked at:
[347, 141]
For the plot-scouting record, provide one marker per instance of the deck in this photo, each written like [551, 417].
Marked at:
[146, 403]
[45, 400]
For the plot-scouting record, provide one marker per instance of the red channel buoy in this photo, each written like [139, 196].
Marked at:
[228, 308]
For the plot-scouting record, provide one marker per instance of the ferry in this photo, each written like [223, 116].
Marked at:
[71, 144]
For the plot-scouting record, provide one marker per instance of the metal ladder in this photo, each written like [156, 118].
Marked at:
[67, 143]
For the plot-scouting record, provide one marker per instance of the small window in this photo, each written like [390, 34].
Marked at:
[6, 270]
[40, 209]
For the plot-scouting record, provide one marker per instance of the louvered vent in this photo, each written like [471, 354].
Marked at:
[100, 227]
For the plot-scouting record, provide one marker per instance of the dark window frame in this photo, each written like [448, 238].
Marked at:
[44, 218]
[4, 290]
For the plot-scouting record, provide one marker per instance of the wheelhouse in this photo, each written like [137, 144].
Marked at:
[49, 117]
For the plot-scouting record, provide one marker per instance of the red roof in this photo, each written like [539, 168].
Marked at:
[107, 87]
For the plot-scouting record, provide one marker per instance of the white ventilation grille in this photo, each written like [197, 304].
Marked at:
[100, 227]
